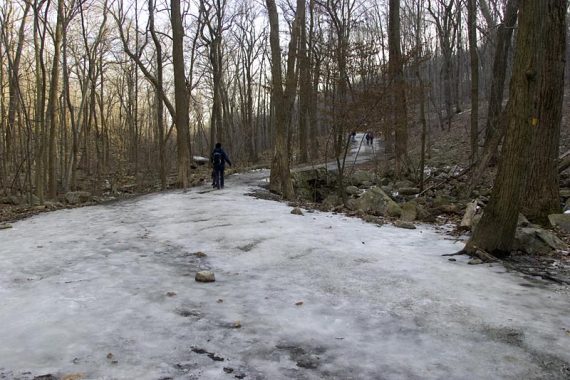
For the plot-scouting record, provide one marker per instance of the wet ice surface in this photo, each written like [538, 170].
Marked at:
[377, 303]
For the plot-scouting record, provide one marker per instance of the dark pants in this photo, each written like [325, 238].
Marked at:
[218, 178]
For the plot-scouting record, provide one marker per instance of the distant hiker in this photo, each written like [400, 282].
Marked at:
[367, 138]
[353, 136]
[371, 137]
[219, 159]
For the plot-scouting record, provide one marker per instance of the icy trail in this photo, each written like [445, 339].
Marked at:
[85, 291]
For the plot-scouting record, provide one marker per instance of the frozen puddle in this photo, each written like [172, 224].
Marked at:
[109, 292]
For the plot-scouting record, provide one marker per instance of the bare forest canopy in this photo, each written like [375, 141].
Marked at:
[96, 91]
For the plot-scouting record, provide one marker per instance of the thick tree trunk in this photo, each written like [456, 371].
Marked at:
[541, 197]
[280, 179]
[398, 86]
[52, 103]
[495, 231]
[472, 31]
[181, 95]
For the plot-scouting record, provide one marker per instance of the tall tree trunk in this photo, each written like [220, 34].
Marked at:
[398, 86]
[472, 31]
[495, 127]
[496, 230]
[541, 197]
[181, 95]
[304, 91]
[280, 180]
[52, 103]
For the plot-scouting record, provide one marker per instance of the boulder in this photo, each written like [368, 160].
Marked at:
[409, 191]
[565, 193]
[76, 197]
[352, 190]
[534, 240]
[205, 276]
[377, 202]
[409, 211]
[297, 211]
[332, 201]
[404, 184]
[362, 177]
[561, 221]
[470, 211]
[405, 225]
[13, 200]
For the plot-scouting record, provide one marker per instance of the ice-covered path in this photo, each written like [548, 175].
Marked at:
[109, 292]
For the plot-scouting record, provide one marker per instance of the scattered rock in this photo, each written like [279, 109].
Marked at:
[236, 325]
[535, 240]
[205, 276]
[308, 362]
[73, 376]
[409, 211]
[77, 197]
[170, 294]
[377, 202]
[405, 184]
[297, 211]
[331, 201]
[403, 224]
[200, 254]
[565, 193]
[409, 191]
[300, 303]
[361, 177]
[475, 262]
[220, 300]
[470, 211]
[228, 370]
[556, 220]
[352, 190]
[5, 226]
[452, 259]
[49, 376]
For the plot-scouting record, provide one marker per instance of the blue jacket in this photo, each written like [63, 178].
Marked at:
[224, 159]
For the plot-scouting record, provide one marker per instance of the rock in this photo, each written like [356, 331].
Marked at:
[5, 226]
[470, 211]
[332, 201]
[403, 224]
[409, 211]
[565, 193]
[77, 197]
[535, 240]
[73, 376]
[394, 210]
[352, 204]
[404, 184]
[561, 221]
[352, 190]
[362, 177]
[377, 202]
[205, 276]
[13, 200]
[449, 208]
[423, 214]
[409, 191]
[297, 211]
[475, 262]
[49, 376]
[387, 189]
[385, 181]
[200, 254]
[522, 221]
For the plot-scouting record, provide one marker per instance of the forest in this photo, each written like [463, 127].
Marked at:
[96, 95]
[397, 199]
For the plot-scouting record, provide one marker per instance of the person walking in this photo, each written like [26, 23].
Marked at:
[219, 159]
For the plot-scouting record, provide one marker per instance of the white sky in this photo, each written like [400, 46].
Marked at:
[378, 302]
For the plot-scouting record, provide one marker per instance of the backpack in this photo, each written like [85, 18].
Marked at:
[217, 159]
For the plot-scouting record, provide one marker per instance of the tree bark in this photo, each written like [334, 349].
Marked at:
[181, 95]
[398, 86]
[541, 197]
[496, 230]
[472, 31]
[280, 179]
